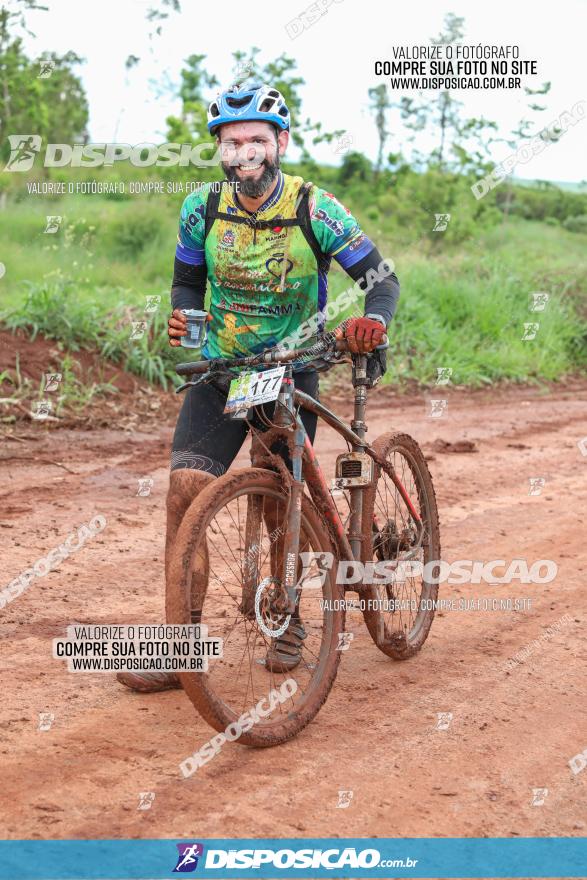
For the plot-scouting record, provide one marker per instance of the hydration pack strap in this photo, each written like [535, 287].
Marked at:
[302, 218]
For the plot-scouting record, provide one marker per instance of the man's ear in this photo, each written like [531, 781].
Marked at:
[282, 142]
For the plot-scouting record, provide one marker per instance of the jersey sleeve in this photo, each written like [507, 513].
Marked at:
[336, 230]
[190, 238]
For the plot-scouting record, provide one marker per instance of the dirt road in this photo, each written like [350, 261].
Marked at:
[379, 735]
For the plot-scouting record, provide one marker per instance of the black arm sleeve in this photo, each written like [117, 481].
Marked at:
[380, 296]
[188, 288]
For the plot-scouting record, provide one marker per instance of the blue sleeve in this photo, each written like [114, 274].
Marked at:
[190, 238]
[336, 230]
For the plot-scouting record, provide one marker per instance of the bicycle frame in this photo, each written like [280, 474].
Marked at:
[306, 469]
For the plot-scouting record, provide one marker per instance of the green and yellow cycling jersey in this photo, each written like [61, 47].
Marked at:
[267, 271]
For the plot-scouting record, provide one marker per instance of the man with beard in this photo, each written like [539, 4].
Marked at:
[264, 242]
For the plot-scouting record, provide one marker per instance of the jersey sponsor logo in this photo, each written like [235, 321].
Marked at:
[357, 243]
[193, 219]
[279, 233]
[258, 309]
[335, 225]
[274, 265]
[227, 240]
[228, 335]
[277, 310]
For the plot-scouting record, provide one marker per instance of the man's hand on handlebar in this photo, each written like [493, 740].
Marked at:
[362, 334]
[177, 326]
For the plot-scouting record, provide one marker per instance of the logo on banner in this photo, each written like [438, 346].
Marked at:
[187, 860]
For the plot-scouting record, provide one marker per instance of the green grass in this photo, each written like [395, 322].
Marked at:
[466, 308]
[103, 247]
[55, 310]
[462, 306]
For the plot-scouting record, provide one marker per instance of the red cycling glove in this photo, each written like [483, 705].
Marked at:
[364, 334]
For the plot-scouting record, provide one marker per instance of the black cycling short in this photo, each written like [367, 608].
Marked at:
[207, 440]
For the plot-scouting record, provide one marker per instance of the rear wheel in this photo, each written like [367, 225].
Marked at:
[397, 613]
[240, 520]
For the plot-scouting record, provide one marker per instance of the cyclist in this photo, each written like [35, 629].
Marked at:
[264, 241]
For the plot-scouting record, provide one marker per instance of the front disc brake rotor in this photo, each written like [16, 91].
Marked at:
[271, 621]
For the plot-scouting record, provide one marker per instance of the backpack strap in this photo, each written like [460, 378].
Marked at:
[302, 219]
[303, 215]
[212, 203]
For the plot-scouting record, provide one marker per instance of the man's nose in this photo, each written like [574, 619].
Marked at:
[252, 153]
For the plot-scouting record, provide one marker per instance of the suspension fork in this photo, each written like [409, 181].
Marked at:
[284, 414]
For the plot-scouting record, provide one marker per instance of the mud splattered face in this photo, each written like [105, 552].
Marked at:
[250, 155]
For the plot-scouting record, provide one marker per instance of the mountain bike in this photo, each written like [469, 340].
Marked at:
[259, 549]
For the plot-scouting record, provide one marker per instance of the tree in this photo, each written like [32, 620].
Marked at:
[42, 97]
[197, 83]
[12, 20]
[379, 105]
[191, 125]
[467, 140]
[524, 130]
[443, 112]
[354, 166]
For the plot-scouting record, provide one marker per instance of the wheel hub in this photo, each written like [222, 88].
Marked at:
[269, 608]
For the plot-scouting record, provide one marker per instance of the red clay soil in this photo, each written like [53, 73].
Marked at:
[512, 731]
[42, 355]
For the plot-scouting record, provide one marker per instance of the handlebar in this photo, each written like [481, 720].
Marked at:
[271, 356]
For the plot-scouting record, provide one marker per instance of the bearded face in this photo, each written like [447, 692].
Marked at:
[250, 156]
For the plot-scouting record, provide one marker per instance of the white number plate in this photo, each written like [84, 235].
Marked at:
[252, 388]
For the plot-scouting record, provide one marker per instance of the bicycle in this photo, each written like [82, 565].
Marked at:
[254, 549]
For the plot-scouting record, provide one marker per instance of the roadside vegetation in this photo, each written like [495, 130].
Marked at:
[467, 288]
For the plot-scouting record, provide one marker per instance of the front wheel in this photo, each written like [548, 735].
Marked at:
[399, 613]
[238, 526]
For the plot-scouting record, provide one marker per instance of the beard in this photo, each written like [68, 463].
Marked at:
[253, 189]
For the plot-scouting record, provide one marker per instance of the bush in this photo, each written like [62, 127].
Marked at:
[130, 233]
[576, 224]
[54, 310]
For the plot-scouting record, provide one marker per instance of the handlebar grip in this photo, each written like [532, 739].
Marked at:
[188, 369]
[342, 344]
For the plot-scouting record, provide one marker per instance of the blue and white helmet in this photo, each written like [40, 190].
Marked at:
[249, 103]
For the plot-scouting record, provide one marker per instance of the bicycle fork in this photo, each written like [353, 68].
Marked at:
[284, 413]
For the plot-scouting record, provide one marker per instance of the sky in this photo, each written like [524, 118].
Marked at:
[335, 56]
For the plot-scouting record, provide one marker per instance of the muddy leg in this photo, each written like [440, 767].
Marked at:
[184, 486]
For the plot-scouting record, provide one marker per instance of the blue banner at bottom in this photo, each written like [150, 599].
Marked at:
[529, 857]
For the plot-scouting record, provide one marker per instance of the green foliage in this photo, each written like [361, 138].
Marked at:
[134, 230]
[55, 311]
[576, 224]
[466, 310]
[539, 202]
[354, 167]
[54, 107]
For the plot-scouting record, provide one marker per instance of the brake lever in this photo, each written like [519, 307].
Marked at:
[187, 384]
